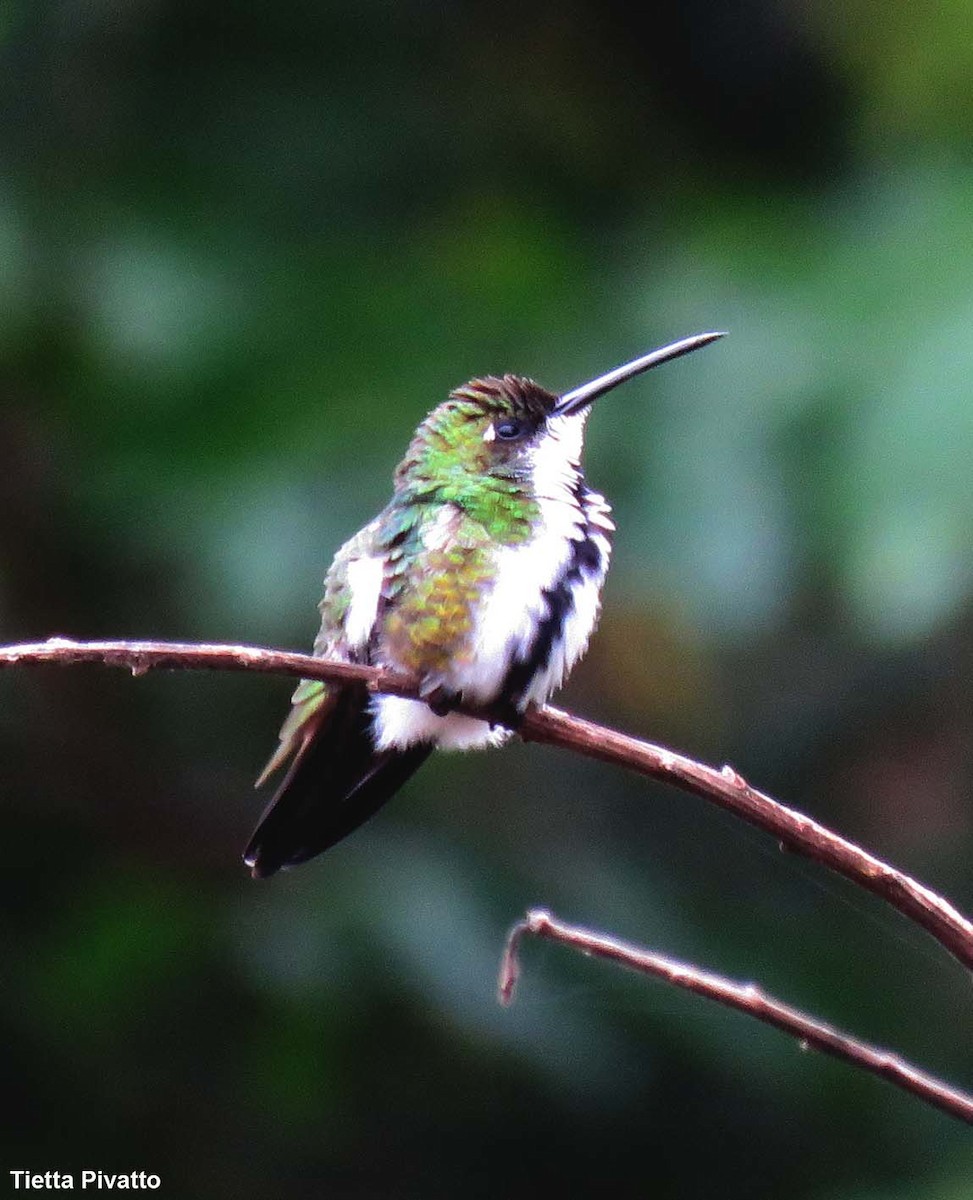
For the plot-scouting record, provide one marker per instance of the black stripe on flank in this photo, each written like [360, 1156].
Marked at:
[585, 560]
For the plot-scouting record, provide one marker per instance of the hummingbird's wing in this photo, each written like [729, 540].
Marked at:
[336, 778]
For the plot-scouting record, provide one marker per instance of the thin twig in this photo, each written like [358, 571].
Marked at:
[746, 997]
[724, 787]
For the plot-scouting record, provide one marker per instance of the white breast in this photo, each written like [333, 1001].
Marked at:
[519, 601]
[579, 623]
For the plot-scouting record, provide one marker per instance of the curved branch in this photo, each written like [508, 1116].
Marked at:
[728, 789]
[745, 997]
[724, 787]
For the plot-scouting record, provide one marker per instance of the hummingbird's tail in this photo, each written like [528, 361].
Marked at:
[336, 781]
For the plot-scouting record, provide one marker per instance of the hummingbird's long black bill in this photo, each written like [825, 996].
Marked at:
[574, 400]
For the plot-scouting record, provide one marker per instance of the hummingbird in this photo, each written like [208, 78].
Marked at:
[482, 578]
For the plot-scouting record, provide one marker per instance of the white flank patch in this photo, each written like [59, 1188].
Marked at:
[365, 582]
[401, 723]
[437, 535]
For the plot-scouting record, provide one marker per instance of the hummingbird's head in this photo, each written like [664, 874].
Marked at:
[493, 440]
[509, 430]
[506, 417]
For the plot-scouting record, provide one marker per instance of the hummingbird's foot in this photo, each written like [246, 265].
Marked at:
[501, 714]
[442, 701]
[505, 715]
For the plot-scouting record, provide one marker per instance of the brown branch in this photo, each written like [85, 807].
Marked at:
[745, 997]
[723, 787]
[728, 789]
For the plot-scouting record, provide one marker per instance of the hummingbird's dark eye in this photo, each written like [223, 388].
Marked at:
[509, 430]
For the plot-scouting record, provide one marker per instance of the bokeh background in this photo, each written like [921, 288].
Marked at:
[243, 249]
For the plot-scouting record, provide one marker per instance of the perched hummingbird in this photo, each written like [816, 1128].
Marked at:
[482, 577]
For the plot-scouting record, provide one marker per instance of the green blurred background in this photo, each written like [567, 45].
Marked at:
[243, 249]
